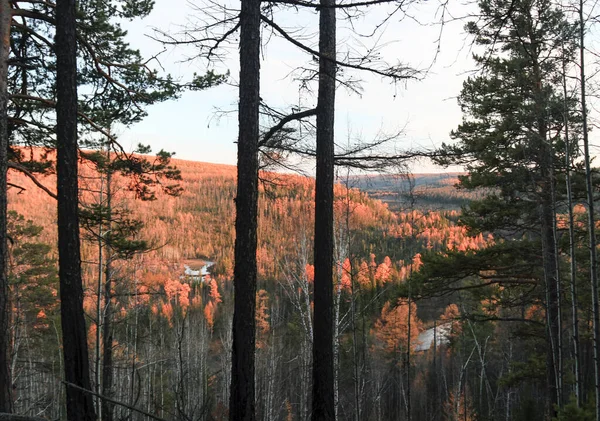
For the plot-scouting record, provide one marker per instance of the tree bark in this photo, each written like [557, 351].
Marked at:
[6, 402]
[591, 216]
[80, 405]
[550, 275]
[552, 309]
[107, 338]
[323, 358]
[546, 207]
[572, 250]
[242, 396]
[99, 309]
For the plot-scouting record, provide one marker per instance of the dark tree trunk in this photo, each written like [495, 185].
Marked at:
[549, 253]
[241, 404]
[107, 347]
[107, 338]
[591, 216]
[552, 308]
[323, 359]
[572, 249]
[5, 378]
[550, 268]
[80, 405]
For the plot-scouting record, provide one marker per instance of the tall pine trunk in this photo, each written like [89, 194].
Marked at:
[550, 274]
[5, 378]
[323, 401]
[591, 216]
[80, 405]
[572, 250]
[242, 397]
[547, 219]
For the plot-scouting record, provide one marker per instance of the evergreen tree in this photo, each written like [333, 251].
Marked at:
[117, 234]
[323, 392]
[76, 363]
[5, 378]
[115, 82]
[592, 240]
[33, 283]
[509, 143]
[242, 405]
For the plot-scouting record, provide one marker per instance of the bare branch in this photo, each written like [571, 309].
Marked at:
[397, 73]
[124, 405]
[318, 6]
[33, 178]
[287, 119]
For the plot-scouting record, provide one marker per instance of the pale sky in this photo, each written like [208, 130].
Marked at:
[426, 109]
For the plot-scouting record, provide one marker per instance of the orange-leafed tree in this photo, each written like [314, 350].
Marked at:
[346, 273]
[383, 272]
[363, 275]
[391, 329]
[214, 294]
[209, 315]
[310, 273]
[263, 326]
[452, 315]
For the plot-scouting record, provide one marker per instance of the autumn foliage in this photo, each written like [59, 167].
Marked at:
[392, 328]
[164, 313]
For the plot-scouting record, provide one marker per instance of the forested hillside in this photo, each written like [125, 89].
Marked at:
[422, 191]
[172, 332]
[134, 286]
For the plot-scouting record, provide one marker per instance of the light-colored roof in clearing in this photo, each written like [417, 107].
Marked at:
[196, 264]
[199, 268]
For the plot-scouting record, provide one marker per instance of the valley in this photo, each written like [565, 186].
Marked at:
[172, 305]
